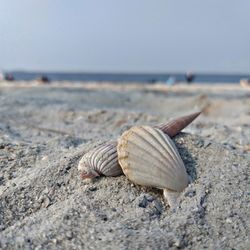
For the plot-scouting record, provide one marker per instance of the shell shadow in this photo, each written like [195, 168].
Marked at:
[189, 161]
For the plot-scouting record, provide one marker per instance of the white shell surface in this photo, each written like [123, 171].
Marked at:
[149, 157]
[102, 160]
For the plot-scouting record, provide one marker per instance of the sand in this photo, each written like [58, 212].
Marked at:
[46, 129]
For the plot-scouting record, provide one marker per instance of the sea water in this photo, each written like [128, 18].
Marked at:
[130, 77]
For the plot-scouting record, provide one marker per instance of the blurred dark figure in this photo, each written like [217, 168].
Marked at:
[189, 77]
[153, 80]
[9, 77]
[43, 79]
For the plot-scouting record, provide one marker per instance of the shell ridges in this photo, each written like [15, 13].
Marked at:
[149, 157]
[101, 160]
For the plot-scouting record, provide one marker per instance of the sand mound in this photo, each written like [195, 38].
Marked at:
[49, 205]
[45, 205]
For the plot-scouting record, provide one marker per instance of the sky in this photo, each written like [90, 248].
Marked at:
[125, 36]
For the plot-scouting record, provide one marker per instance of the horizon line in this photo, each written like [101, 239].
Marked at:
[125, 72]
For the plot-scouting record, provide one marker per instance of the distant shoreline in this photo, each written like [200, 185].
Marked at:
[130, 77]
[160, 87]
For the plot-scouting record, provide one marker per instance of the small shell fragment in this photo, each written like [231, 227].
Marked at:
[149, 157]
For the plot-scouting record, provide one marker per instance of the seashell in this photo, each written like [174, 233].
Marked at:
[102, 160]
[173, 127]
[149, 157]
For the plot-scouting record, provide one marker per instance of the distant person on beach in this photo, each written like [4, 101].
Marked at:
[9, 77]
[171, 80]
[189, 77]
[43, 79]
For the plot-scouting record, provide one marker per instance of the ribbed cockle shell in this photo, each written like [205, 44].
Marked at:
[101, 160]
[149, 157]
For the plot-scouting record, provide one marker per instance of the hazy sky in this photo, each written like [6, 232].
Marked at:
[125, 35]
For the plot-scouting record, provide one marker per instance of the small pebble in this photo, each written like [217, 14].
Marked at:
[1, 180]
[54, 241]
[158, 206]
[69, 235]
[47, 201]
[207, 143]
[200, 143]
[177, 243]
[190, 193]
[92, 189]
[103, 217]
[44, 158]
[149, 197]
[143, 202]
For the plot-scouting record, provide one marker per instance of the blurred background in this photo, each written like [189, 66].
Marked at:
[93, 40]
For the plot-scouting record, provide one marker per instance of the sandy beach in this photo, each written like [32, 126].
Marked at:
[46, 129]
